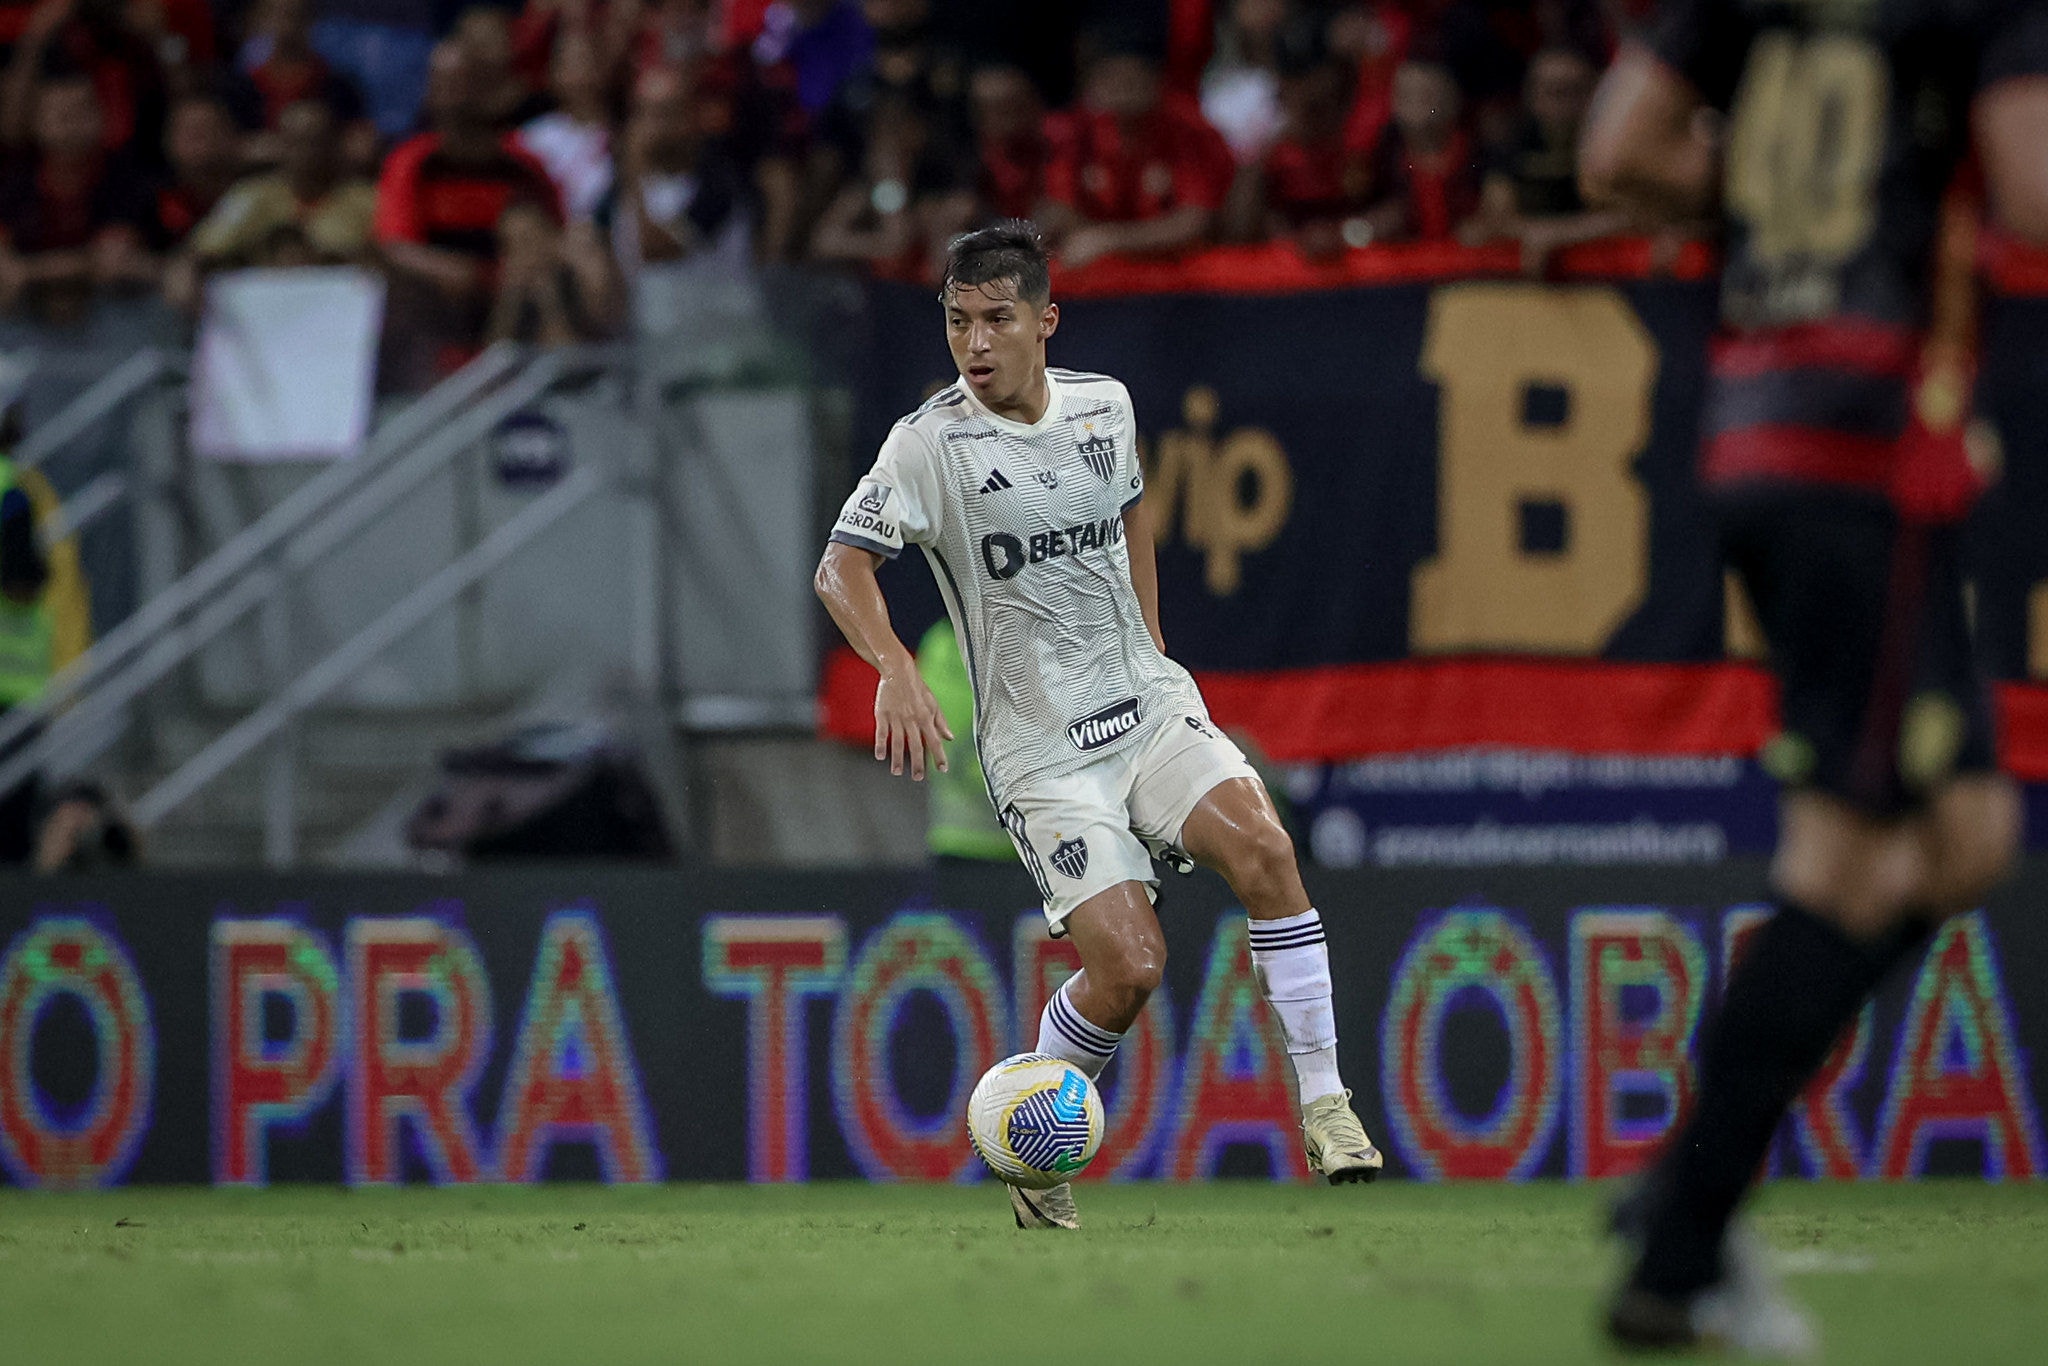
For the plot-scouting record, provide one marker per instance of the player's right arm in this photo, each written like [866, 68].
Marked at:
[900, 502]
[908, 723]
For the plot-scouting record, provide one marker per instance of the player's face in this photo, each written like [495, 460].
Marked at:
[998, 338]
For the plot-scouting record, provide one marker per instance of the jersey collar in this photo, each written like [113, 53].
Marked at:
[1038, 428]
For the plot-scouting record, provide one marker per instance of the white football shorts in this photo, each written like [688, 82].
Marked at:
[1084, 832]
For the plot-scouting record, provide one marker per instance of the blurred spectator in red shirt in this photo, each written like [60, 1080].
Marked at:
[95, 39]
[1374, 38]
[1531, 190]
[1012, 152]
[1131, 172]
[74, 217]
[508, 101]
[574, 141]
[277, 67]
[895, 214]
[740, 21]
[203, 148]
[1315, 183]
[1425, 180]
[14, 20]
[441, 196]
[821, 42]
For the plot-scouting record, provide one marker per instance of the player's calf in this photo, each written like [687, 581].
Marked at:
[1235, 830]
[1292, 961]
[1123, 957]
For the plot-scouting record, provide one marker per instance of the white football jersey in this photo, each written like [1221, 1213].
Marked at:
[1023, 525]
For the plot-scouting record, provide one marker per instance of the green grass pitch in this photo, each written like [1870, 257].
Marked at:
[1232, 1272]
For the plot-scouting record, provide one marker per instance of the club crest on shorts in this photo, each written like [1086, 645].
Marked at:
[1098, 452]
[1071, 857]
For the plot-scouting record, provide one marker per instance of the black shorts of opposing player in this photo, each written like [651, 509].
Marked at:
[1882, 698]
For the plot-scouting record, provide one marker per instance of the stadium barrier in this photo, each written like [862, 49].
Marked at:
[634, 1026]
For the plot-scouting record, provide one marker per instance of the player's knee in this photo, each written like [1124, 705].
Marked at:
[1860, 871]
[1976, 839]
[1130, 978]
[1262, 866]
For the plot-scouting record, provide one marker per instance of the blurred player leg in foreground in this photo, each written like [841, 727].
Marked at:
[1836, 450]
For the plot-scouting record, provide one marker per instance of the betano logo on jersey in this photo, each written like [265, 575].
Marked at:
[1004, 555]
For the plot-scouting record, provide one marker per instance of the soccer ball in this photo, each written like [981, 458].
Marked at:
[1035, 1119]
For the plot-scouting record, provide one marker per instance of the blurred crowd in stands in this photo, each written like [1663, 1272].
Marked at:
[509, 169]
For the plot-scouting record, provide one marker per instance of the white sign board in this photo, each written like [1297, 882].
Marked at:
[286, 364]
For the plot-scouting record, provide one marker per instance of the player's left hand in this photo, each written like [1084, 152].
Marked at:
[909, 725]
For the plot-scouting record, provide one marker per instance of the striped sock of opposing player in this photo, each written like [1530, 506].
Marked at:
[1293, 964]
[1063, 1033]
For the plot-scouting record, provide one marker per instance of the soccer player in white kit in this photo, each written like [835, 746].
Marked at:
[1021, 485]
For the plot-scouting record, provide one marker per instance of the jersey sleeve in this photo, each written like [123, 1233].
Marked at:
[898, 503]
[2016, 44]
[1706, 41]
[1130, 472]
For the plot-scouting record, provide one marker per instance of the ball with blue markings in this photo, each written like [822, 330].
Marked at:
[1036, 1120]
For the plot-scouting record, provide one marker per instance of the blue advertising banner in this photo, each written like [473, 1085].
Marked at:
[1474, 808]
[634, 1026]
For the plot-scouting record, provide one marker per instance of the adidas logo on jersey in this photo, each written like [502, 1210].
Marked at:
[997, 482]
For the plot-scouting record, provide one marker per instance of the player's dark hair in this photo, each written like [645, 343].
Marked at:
[1009, 250]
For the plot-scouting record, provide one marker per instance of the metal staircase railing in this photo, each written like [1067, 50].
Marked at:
[127, 381]
[342, 663]
[84, 705]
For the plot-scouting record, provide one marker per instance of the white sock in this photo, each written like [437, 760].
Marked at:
[1066, 1034]
[1293, 964]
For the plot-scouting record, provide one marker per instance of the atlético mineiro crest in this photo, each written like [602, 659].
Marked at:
[1071, 857]
[1099, 452]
